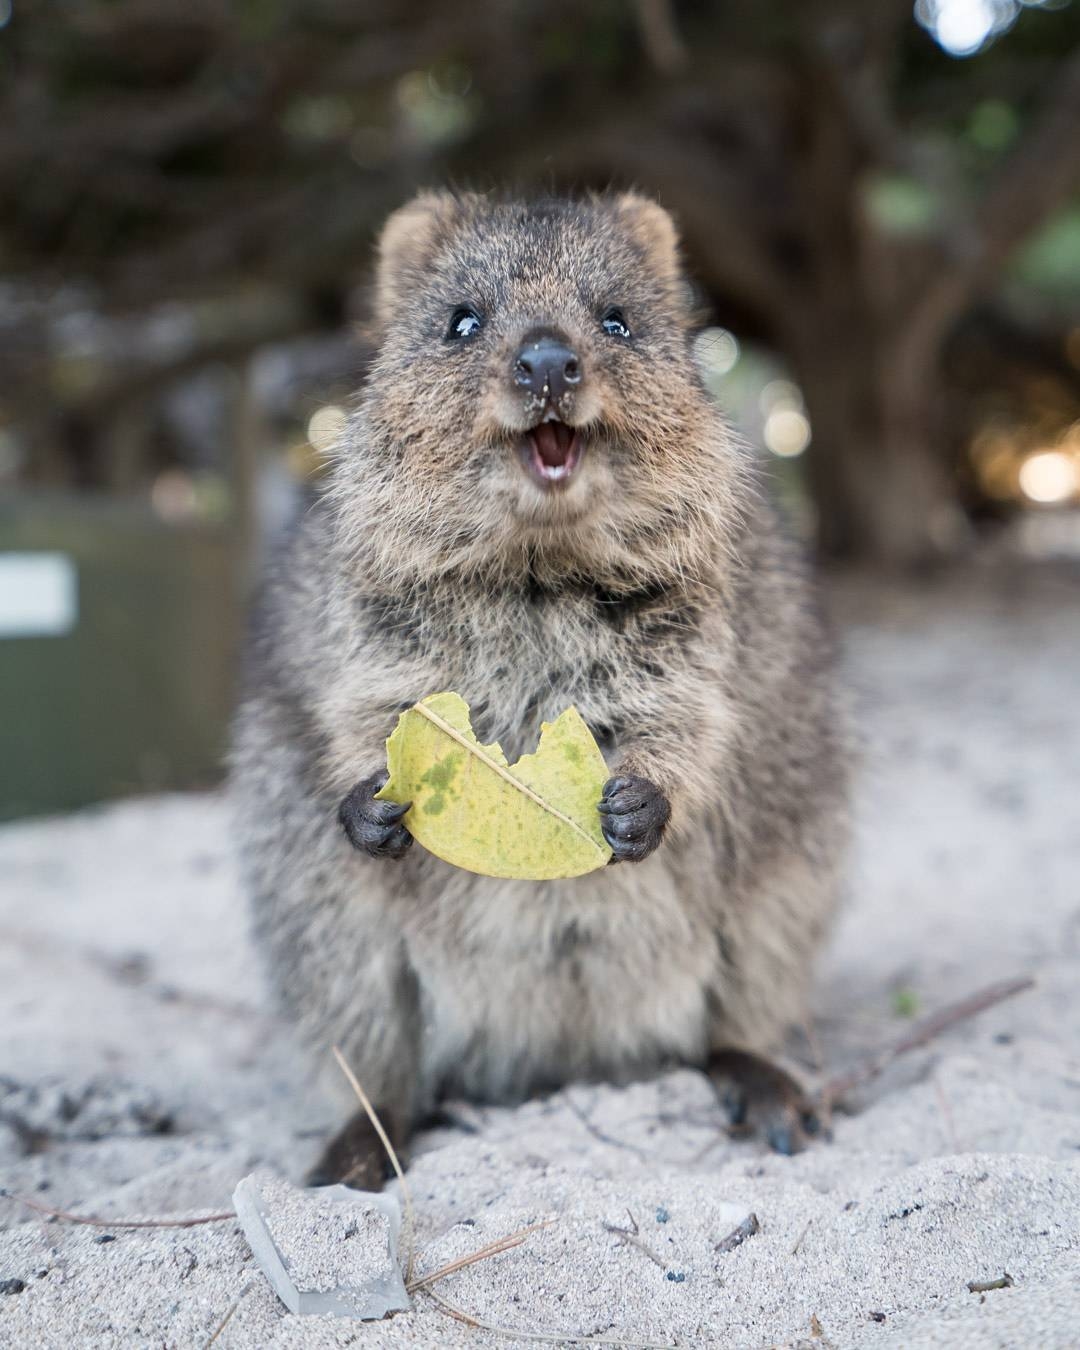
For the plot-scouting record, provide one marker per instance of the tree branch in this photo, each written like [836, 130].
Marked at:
[660, 36]
[1038, 178]
[726, 233]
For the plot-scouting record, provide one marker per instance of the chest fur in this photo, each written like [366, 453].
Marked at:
[519, 660]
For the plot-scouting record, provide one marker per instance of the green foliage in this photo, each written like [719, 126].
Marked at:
[905, 1002]
[900, 205]
[1050, 261]
[993, 125]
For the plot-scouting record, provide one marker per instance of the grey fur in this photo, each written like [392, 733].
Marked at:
[658, 595]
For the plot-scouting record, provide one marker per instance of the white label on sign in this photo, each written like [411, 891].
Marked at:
[39, 595]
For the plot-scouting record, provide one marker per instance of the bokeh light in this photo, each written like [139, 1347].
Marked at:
[325, 427]
[173, 496]
[786, 430]
[963, 27]
[1049, 476]
[717, 351]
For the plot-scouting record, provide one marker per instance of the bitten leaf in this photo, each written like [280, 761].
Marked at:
[534, 820]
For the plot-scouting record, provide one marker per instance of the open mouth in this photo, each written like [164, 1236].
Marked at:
[551, 452]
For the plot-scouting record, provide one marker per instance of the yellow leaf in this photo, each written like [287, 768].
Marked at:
[535, 820]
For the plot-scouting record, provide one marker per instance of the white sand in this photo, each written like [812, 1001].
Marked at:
[129, 1002]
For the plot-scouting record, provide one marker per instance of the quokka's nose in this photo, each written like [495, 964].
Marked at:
[547, 368]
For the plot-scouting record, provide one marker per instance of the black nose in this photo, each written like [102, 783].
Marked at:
[547, 368]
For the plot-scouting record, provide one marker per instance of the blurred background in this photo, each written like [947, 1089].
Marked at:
[880, 202]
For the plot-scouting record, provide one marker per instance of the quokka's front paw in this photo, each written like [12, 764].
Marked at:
[633, 815]
[374, 827]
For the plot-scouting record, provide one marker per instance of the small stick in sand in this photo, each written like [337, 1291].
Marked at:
[1004, 1281]
[544, 1337]
[947, 1115]
[228, 1316]
[920, 1034]
[600, 1135]
[495, 1248]
[459, 1313]
[113, 1223]
[631, 1235]
[738, 1236]
[801, 1238]
[384, 1139]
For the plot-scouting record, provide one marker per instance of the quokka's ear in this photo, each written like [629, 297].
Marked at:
[654, 230]
[408, 243]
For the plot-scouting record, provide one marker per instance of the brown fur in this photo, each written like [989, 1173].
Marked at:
[655, 592]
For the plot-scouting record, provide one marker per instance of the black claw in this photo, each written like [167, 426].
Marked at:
[633, 814]
[622, 803]
[634, 797]
[635, 825]
[734, 1102]
[398, 842]
[373, 826]
[629, 850]
[781, 1139]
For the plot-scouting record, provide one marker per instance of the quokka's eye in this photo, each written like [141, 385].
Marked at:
[614, 324]
[464, 323]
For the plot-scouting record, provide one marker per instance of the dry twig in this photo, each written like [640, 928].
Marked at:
[395, 1163]
[1004, 1281]
[600, 1135]
[946, 1115]
[738, 1236]
[229, 1315]
[631, 1235]
[495, 1248]
[543, 1337]
[113, 1223]
[920, 1034]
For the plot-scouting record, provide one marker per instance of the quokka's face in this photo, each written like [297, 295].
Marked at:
[534, 374]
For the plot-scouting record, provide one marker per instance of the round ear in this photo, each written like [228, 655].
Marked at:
[408, 242]
[654, 230]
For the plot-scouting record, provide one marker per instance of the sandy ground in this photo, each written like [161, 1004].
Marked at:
[141, 1075]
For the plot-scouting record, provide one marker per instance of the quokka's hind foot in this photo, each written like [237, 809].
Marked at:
[760, 1095]
[356, 1157]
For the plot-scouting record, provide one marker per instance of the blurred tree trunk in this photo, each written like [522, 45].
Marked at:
[881, 489]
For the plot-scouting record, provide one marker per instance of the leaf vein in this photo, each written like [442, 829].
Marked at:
[474, 748]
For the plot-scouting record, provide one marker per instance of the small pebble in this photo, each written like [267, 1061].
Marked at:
[676, 1276]
[12, 1286]
[662, 1215]
[105, 1237]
